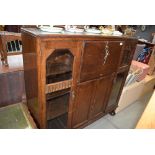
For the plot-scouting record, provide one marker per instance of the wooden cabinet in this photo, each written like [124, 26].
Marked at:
[72, 80]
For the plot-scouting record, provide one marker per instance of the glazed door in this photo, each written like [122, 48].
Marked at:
[59, 77]
[127, 53]
[102, 92]
[116, 90]
[100, 58]
[83, 97]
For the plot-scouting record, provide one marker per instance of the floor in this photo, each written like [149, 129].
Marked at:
[125, 119]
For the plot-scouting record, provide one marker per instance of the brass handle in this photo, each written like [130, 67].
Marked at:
[73, 95]
[107, 52]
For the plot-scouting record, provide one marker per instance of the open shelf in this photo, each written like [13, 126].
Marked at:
[59, 122]
[59, 66]
[57, 106]
[59, 93]
[64, 70]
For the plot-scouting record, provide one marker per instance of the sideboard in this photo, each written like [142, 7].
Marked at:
[71, 80]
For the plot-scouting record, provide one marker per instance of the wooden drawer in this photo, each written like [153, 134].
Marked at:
[100, 58]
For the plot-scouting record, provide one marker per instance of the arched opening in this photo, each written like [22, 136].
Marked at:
[59, 66]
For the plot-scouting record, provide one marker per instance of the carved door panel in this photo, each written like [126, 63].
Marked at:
[82, 102]
[102, 92]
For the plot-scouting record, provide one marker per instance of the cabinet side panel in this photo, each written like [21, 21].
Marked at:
[31, 74]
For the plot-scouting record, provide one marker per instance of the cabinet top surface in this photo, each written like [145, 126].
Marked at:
[39, 33]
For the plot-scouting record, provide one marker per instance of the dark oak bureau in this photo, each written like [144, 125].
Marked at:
[71, 80]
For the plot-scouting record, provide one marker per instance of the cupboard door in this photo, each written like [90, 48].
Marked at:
[101, 95]
[116, 90]
[100, 58]
[82, 101]
[127, 53]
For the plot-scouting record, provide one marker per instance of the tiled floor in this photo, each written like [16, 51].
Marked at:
[125, 119]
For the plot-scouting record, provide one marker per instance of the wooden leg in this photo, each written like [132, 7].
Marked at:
[5, 58]
[112, 113]
[6, 62]
[2, 57]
